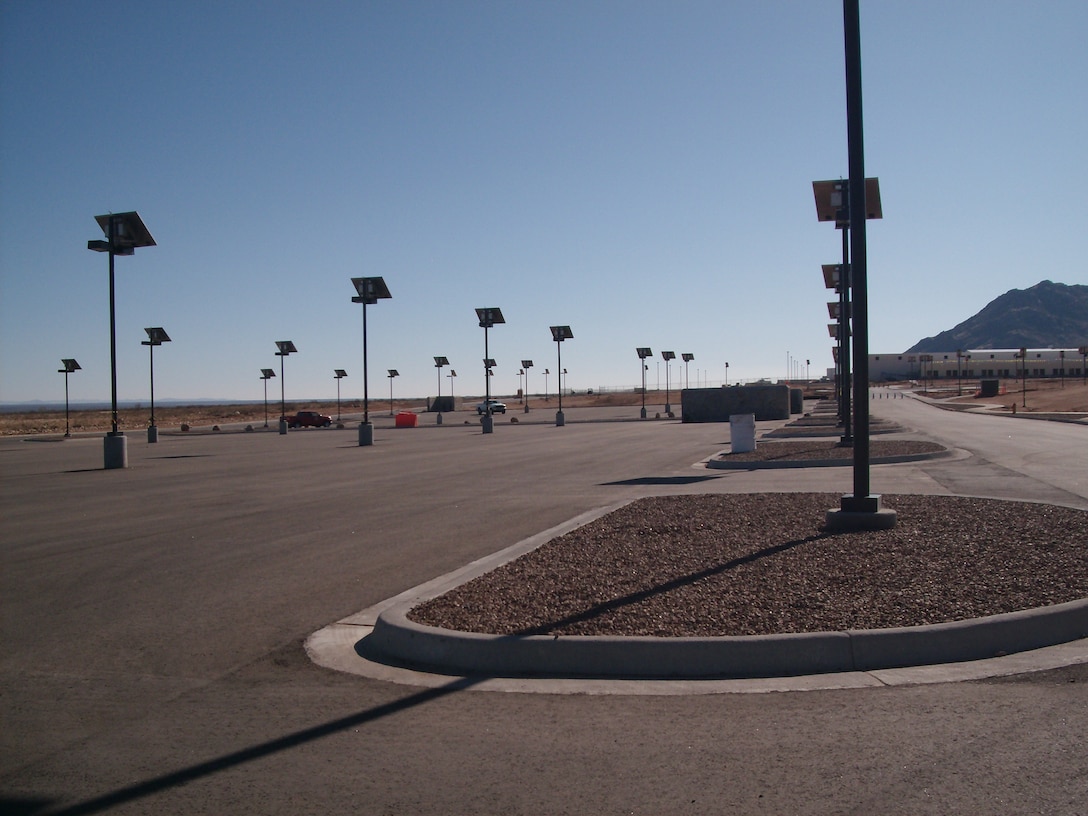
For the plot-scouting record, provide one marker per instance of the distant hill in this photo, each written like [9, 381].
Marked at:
[1048, 315]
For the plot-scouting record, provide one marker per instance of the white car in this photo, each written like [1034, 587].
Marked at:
[496, 407]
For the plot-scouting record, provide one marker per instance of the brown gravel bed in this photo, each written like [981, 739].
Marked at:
[819, 449]
[714, 565]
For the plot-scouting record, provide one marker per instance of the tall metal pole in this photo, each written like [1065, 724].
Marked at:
[151, 354]
[113, 332]
[283, 404]
[366, 379]
[859, 316]
[67, 428]
[487, 376]
[844, 336]
[559, 372]
[642, 365]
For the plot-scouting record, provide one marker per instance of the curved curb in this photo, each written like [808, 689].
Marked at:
[719, 464]
[403, 642]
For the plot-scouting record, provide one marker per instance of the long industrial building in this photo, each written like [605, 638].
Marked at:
[979, 363]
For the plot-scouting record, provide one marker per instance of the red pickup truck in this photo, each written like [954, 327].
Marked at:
[311, 419]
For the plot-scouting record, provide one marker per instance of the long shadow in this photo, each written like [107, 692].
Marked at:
[661, 480]
[668, 586]
[284, 743]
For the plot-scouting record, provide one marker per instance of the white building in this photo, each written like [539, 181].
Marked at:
[979, 363]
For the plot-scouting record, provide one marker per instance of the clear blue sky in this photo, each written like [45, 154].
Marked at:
[640, 171]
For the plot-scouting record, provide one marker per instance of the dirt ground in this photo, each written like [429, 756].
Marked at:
[1042, 396]
[206, 416]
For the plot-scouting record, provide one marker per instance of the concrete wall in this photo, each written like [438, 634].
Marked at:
[718, 404]
[797, 401]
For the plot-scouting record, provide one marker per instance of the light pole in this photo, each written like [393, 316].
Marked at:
[155, 337]
[125, 233]
[1061, 354]
[559, 334]
[338, 374]
[643, 353]
[488, 317]
[1023, 355]
[266, 375]
[959, 372]
[687, 357]
[70, 366]
[861, 510]
[667, 356]
[439, 363]
[451, 375]
[370, 290]
[526, 365]
[727, 373]
[392, 373]
[285, 347]
[546, 373]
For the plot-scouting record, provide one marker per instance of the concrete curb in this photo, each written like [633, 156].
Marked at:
[720, 464]
[400, 641]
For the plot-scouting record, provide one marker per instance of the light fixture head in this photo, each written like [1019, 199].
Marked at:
[370, 290]
[490, 316]
[128, 233]
[156, 336]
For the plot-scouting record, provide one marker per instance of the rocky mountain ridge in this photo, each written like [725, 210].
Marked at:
[1047, 315]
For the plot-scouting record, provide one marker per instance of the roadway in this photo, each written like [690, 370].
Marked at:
[154, 618]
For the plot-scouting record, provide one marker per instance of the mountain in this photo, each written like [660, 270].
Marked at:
[1048, 315]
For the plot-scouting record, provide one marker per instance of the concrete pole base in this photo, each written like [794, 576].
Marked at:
[487, 423]
[560, 420]
[860, 513]
[115, 450]
[642, 413]
[668, 409]
[366, 434]
[283, 426]
[152, 433]
[526, 408]
[438, 421]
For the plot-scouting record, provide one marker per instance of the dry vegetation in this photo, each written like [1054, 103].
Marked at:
[1042, 396]
[205, 416]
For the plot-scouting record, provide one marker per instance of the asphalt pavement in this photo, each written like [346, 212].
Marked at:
[154, 621]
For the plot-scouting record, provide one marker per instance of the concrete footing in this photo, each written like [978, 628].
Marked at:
[115, 450]
[860, 513]
[366, 434]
